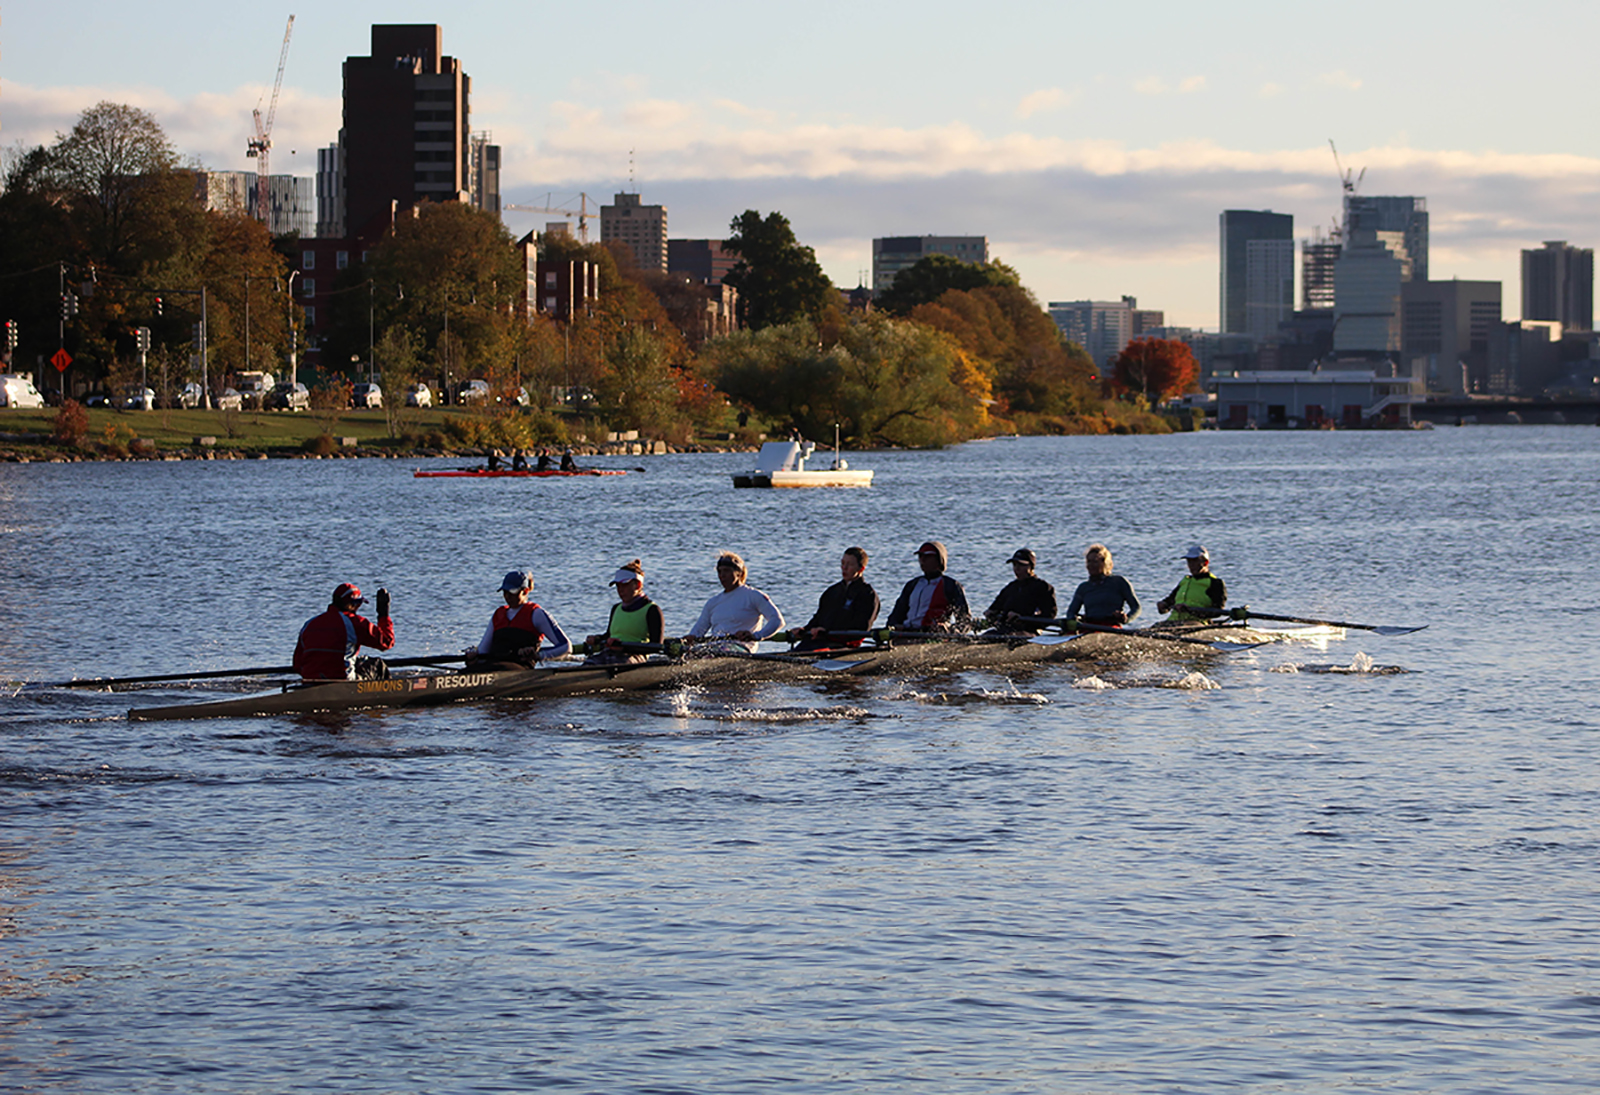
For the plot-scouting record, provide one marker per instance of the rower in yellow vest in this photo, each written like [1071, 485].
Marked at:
[635, 618]
[1200, 596]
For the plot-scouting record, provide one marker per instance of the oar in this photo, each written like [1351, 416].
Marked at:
[253, 671]
[1376, 629]
[1222, 645]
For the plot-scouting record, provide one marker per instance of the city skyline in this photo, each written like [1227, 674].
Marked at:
[1226, 109]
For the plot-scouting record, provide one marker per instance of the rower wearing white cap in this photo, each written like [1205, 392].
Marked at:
[517, 629]
[635, 618]
[1200, 596]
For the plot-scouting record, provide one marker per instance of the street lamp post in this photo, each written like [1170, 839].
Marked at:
[289, 315]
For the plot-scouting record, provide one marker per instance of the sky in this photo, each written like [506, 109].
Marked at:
[1094, 145]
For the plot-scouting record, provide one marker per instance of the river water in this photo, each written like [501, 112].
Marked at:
[1236, 872]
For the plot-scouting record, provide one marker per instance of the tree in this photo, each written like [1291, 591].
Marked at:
[778, 279]
[1159, 368]
[930, 278]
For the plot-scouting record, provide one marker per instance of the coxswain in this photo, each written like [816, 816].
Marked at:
[1200, 596]
[326, 649]
[567, 463]
[1106, 599]
[635, 618]
[1025, 595]
[935, 601]
[850, 604]
[519, 626]
[739, 614]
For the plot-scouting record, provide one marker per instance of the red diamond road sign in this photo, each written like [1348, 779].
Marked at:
[61, 359]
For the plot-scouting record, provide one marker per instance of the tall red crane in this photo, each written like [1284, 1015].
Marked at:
[260, 146]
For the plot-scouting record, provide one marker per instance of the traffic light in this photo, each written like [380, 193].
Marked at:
[69, 305]
[11, 334]
[143, 335]
[158, 307]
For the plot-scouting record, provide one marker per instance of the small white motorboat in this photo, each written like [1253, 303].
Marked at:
[783, 464]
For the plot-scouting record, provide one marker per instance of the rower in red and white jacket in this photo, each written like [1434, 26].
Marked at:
[517, 629]
[326, 650]
[935, 601]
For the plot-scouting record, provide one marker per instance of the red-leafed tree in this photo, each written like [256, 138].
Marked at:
[1157, 367]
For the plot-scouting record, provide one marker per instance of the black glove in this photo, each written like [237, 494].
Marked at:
[383, 602]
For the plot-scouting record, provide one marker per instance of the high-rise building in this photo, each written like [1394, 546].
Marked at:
[406, 137]
[1385, 247]
[1318, 258]
[1257, 283]
[330, 192]
[641, 228]
[1558, 284]
[1445, 327]
[892, 254]
[291, 199]
[1101, 327]
[703, 260]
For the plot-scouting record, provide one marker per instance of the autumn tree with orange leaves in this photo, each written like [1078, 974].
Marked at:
[1158, 368]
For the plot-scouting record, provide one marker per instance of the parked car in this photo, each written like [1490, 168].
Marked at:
[291, 397]
[97, 399]
[519, 397]
[419, 395]
[139, 399]
[17, 390]
[366, 395]
[473, 391]
[230, 400]
[190, 396]
[255, 387]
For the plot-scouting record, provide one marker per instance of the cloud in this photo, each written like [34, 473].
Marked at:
[1270, 90]
[1192, 85]
[1151, 85]
[1341, 79]
[1044, 100]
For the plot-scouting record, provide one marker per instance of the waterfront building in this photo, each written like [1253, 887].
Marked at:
[892, 254]
[1341, 397]
[1318, 259]
[1257, 276]
[1558, 284]
[1385, 246]
[1444, 337]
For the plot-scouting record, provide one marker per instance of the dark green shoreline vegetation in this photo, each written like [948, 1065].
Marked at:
[107, 216]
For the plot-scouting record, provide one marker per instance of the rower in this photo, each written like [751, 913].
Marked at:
[519, 461]
[516, 629]
[1106, 599]
[850, 604]
[495, 461]
[1025, 595]
[739, 614]
[326, 649]
[635, 618]
[1200, 596]
[544, 461]
[935, 601]
[567, 463]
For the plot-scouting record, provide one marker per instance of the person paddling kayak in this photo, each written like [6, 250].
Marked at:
[1200, 596]
[326, 649]
[518, 628]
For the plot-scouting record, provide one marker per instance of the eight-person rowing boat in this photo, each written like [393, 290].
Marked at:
[525, 653]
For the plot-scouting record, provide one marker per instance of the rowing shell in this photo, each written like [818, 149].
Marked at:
[484, 473]
[569, 678]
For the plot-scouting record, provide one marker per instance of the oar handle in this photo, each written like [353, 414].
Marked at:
[251, 671]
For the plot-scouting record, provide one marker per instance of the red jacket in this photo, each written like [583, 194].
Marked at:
[328, 644]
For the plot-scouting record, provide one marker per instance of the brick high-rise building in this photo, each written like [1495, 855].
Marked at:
[407, 135]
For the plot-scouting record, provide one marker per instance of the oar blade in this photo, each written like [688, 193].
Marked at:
[1398, 630]
[1051, 640]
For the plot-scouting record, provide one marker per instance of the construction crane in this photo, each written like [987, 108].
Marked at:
[260, 146]
[1350, 182]
[583, 213]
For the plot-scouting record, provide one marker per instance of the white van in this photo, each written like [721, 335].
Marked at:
[17, 390]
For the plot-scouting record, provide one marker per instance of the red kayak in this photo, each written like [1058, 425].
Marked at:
[484, 473]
